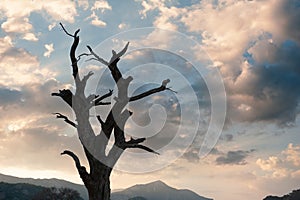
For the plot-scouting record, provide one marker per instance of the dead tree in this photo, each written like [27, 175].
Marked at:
[96, 180]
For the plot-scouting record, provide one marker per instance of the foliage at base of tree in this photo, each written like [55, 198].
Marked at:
[57, 194]
[24, 191]
[18, 191]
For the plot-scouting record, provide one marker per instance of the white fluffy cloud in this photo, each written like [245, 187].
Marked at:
[166, 14]
[283, 166]
[49, 49]
[17, 14]
[19, 67]
[101, 5]
[96, 21]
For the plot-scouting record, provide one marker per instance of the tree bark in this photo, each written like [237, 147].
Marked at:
[97, 179]
[99, 187]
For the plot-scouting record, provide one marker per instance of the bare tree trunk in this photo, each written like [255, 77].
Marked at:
[99, 188]
[97, 179]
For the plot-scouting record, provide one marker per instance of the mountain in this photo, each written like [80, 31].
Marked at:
[46, 183]
[294, 195]
[156, 191]
[18, 191]
[24, 191]
[152, 191]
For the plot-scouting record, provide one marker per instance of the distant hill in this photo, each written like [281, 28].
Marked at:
[18, 191]
[152, 191]
[24, 191]
[46, 183]
[294, 195]
[155, 191]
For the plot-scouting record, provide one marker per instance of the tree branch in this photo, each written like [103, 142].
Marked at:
[112, 64]
[136, 141]
[118, 55]
[83, 54]
[98, 58]
[59, 115]
[99, 99]
[140, 146]
[73, 50]
[152, 91]
[120, 126]
[66, 95]
[81, 169]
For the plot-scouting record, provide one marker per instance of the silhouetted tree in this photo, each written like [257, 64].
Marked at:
[57, 194]
[100, 164]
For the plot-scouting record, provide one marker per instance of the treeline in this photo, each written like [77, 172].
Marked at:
[24, 191]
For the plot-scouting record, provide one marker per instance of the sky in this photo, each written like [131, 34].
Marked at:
[229, 131]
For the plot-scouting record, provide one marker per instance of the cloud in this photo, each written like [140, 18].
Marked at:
[19, 67]
[290, 18]
[49, 48]
[51, 26]
[285, 165]
[256, 54]
[16, 25]
[16, 14]
[96, 21]
[264, 90]
[164, 19]
[292, 154]
[30, 37]
[233, 158]
[101, 5]
[123, 26]
[8, 96]
[27, 123]
[84, 4]
[35, 138]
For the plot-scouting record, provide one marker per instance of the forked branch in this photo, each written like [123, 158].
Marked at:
[73, 50]
[66, 119]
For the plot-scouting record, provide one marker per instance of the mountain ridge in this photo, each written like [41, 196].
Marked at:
[160, 187]
[156, 190]
[52, 182]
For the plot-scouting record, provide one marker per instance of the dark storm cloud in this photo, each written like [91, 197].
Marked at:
[233, 158]
[291, 11]
[267, 89]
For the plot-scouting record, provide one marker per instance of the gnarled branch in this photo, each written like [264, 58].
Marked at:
[140, 146]
[99, 99]
[136, 141]
[152, 91]
[84, 175]
[66, 95]
[73, 50]
[112, 64]
[66, 119]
